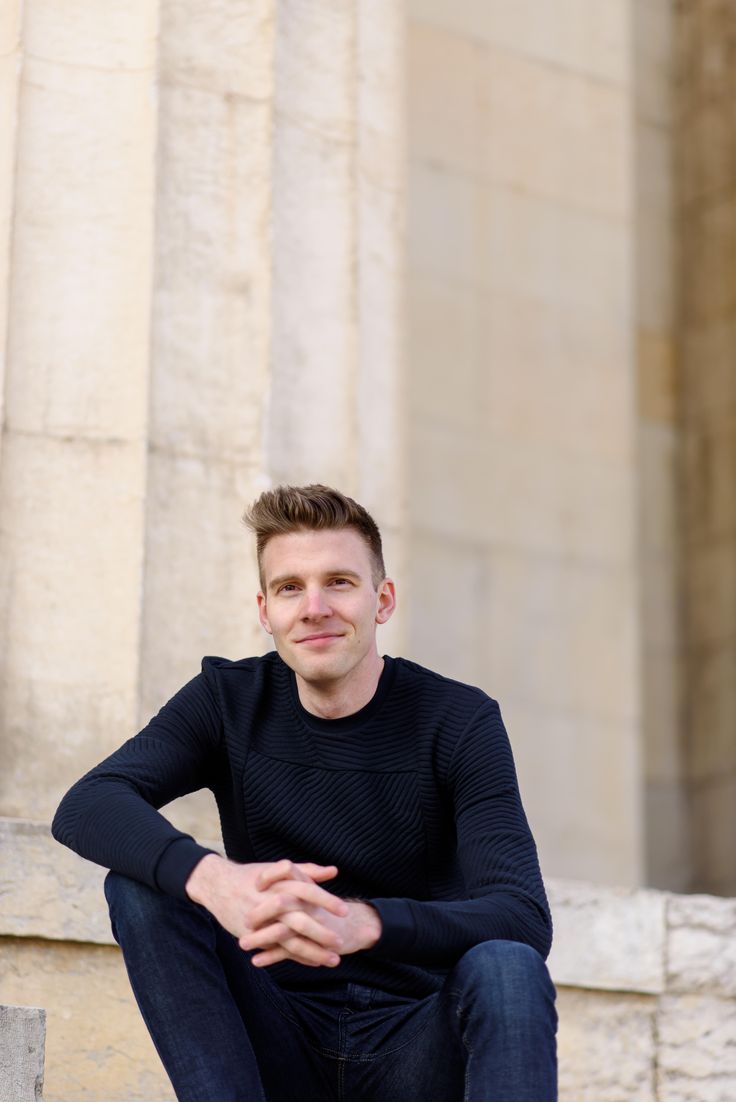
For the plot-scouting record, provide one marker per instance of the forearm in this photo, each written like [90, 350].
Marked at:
[439, 932]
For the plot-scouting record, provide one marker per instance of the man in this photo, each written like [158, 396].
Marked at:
[378, 927]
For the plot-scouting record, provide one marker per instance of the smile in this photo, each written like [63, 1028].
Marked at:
[321, 637]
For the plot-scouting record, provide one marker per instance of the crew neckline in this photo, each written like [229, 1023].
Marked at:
[346, 723]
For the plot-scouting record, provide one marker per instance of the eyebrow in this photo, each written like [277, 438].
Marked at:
[282, 578]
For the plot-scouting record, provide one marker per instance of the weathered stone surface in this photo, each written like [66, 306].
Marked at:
[608, 938]
[97, 1047]
[22, 1039]
[701, 944]
[606, 1047]
[46, 890]
[697, 1049]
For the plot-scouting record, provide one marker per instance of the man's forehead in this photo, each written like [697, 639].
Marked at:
[341, 549]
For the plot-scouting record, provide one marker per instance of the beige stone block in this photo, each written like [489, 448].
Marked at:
[444, 344]
[48, 891]
[553, 378]
[697, 1047]
[711, 593]
[606, 1047]
[668, 837]
[658, 243]
[659, 498]
[200, 577]
[557, 503]
[707, 374]
[713, 809]
[575, 34]
[97, 1046]
[449, 637]
[706, 152]
[444, 70]
[614, 935]
[539, 248]
[701, 950]
[653, 26]
[121, 36]
[78, 339]
[597, 835]
[315, 68]
[662, 715]
[22, 1045]
[658, 384]
[563, 633]
[660, 608]
[225, 47]
[709, 243]
[711, 728]
[212, 296]
[381, 139]
[443, 225]
[311, 435]
[449, 473]
[380, 391]
[72, 549]
[709, 454]
[578, 154]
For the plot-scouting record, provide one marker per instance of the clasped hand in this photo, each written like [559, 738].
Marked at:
[279, 911]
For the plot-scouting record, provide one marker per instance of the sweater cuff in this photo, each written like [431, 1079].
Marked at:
[398, 929]
[176, 863]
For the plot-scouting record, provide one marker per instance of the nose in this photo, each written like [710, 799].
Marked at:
[315, 603]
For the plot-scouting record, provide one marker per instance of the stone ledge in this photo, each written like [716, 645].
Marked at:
[22, 1047]
[608, 939]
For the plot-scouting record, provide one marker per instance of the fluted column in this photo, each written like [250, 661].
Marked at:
[72, 476]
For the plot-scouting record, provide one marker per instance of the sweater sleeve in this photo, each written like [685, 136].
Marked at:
[110, 816]
[504, 896]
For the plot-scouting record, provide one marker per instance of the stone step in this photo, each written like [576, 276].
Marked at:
[22, 1046]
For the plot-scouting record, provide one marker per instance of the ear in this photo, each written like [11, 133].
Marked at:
[386, 601]
[262, 612]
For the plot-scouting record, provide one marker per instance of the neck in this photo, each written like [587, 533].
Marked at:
[335, 699]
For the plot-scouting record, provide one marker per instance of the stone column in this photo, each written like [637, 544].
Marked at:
[10, 60]
[706, 222]
[336, 405]
[276, 350]
[204, 300]
[72, 482]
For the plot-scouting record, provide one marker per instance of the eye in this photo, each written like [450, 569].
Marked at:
[288, 587]
[341, 581]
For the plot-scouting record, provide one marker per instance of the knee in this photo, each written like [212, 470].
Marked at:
[131, 903]
[507, 975]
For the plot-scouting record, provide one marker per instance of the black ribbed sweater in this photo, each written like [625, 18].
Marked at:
[414, 798]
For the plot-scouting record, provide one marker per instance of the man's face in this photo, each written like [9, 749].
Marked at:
[320, 604]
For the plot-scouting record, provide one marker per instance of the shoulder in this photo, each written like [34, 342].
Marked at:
[446, 688]
[213, 664]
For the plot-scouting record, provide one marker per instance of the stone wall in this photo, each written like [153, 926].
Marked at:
[647, 985]
[523, 424]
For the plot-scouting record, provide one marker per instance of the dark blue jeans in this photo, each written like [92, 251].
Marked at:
[226, 1032]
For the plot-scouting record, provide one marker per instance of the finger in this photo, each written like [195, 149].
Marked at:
[296, 922]
[278, 870]
[318, 873]
[307, 892]
[268, 937]
[302, 954]
[288, 870]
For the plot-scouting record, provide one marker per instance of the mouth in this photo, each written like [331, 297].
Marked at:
[320, 637]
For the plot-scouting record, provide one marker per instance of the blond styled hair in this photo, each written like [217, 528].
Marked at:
[313, 508]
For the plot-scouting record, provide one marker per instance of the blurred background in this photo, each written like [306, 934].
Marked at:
[474, 263]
